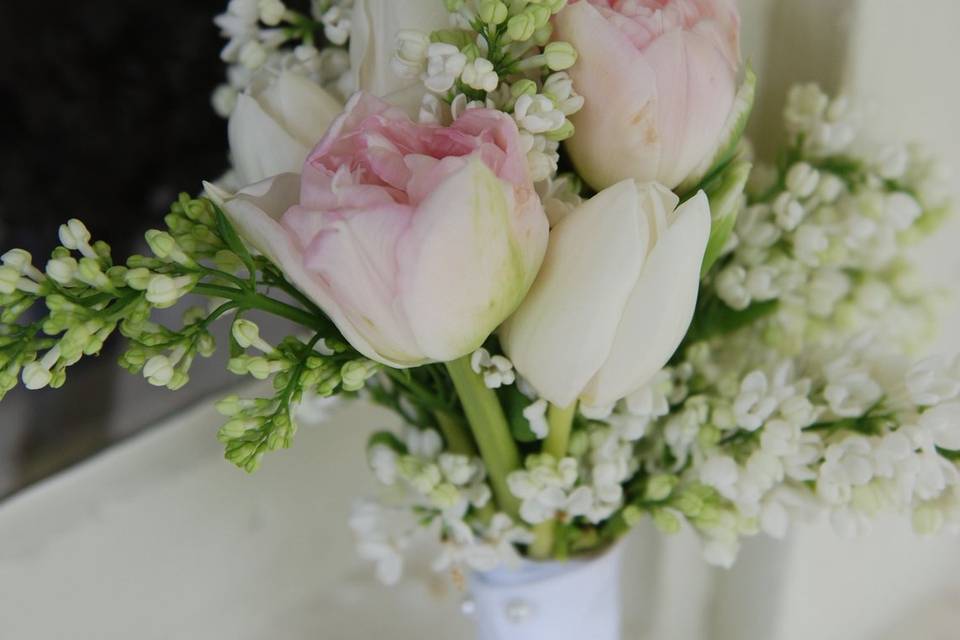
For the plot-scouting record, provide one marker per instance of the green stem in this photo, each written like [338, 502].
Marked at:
[263, 303]
[560, 420]
[490, 430]
[455, 434]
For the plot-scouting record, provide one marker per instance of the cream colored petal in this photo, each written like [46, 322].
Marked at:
[563, 332]
[660, 307]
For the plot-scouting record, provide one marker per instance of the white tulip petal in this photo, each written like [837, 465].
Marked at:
[273, 127]
[259, 146]
[563, 331]
[659, 309]
[373, 42]
[301, 106]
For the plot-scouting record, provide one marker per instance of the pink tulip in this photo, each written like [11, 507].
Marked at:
[416, 240]
[659, 78]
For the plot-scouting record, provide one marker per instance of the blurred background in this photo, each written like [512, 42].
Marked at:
[105, 115]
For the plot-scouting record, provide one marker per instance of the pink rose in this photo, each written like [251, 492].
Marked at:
[416, 240]
[659, 78]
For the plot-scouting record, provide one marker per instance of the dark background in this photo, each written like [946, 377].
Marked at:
[105, 116]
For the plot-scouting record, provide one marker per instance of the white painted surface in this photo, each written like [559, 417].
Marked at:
[160, 538]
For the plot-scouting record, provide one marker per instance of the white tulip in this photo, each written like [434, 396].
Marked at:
[614, 297]
[376, 26]
[276, 123]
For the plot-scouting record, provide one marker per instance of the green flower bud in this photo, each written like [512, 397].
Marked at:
[560, 55]
[659, 487]
[179, 381]
[165, 247]
[356, 373]
[444, 496]
[632, 515]
[540, 15]
[237, 428]
[472, 51]
[246, 333]
[259, 368]
[688, 504]
[138, 278]
[206, 345]
[492, 12]
[9, 277]
[523, 87]
[521, 27]
[565, 131]
[666, 521]
[90, 273]
[542, 35]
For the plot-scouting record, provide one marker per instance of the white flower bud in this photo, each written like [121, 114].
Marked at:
[74, 235]
[480, 75]
[163, 291]
[336, 25]
[892, 162]
[788, 212]
[433, 110]
[411, 54]
[731, 287]
[158, 371]
[802, 180]
[445, 63]
[223, 100]
[36, 376]
[559, 88]
[536, 415]
[252, 55]
[247, 334]
[830, 188]
[901, 210]
[537, 114]
[18, 259]
[271, 12]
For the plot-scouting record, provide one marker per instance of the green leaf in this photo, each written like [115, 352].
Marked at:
[233, 241]
[514, 403]
[714, 318]
[387, 439]
[725, 193]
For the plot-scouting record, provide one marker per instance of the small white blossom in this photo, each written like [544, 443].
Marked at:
[410, 57]
[497, 370]
[931, 381]
[537, 114]
[480, 75]
[536, 415]
[802, 180]
[902, 210]
[559, 88]
[271, 12]
[445, 63]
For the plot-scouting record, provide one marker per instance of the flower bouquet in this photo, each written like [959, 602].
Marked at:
[531, 229]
